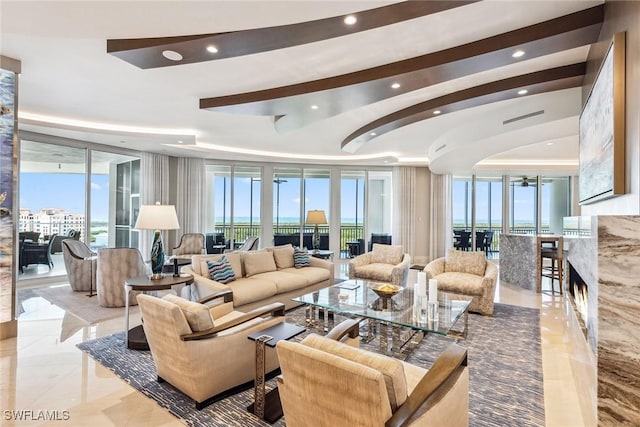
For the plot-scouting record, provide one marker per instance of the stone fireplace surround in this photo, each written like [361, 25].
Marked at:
[609, 263]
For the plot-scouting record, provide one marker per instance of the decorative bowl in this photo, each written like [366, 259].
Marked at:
[385, 290]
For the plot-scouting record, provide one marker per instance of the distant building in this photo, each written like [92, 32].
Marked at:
[50, 221]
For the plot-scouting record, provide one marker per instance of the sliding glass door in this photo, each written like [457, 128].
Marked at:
[53, 201]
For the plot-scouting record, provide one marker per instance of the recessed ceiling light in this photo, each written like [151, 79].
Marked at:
[518, 53]
[314, 107]
[373, 134]
[180, 142]
[395, 86]
[172, 55]
[212, 49]
[523, 92]
[549, 143]
[350, 20]
[437, 112]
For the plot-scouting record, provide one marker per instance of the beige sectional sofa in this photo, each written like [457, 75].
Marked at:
[261, 277]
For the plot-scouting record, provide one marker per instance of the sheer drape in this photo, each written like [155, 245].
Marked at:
[191, 195]
[440, 238]
[404, 208]
[154, 187]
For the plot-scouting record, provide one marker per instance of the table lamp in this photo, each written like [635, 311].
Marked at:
[157, 217]
[316, 217]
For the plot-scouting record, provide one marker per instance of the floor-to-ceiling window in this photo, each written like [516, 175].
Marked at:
[523, 205]
[219, 177]
[52, 200]
[352, 210]
[287, 191]
[235, 190]
[54, 190]
[247, 183]
[461, 203]
[536, 205]
[378, 199]
[488, 218]
[316, 196]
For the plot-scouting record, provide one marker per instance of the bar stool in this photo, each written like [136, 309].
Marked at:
[551, 248]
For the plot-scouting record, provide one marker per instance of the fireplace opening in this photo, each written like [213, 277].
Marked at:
[579, 292]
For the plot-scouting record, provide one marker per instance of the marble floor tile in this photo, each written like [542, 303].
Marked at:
[41, 371]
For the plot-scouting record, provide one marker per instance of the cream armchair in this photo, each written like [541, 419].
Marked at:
[202, 350]
[115, 266]
[328, 383]
[190, 244]
[385, 263]
[466, 273]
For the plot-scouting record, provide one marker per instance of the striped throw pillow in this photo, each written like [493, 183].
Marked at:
[221, 270]
[301, 258]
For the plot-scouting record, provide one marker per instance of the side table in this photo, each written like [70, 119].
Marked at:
[322, 254]
[267, 406]
[135, 338]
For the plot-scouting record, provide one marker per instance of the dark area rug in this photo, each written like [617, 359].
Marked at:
[505, 366]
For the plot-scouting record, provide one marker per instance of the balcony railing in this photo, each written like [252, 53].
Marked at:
[348, 233]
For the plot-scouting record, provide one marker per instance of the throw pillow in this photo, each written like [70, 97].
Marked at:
[386, 254]
[301, 258]
[256, 262]
[221, 270]
[465, 262]
[283, 255]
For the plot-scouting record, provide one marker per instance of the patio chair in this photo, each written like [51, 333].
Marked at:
[37, 253]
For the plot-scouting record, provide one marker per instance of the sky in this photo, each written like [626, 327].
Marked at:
[65, 191]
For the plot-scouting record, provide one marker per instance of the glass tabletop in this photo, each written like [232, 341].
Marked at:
[356, 298]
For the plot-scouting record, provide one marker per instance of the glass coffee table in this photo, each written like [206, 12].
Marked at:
[399, 316]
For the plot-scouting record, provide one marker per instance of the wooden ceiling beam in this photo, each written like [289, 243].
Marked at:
[147, 52]
[535, 83]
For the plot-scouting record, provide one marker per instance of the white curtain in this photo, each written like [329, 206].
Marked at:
[154, 187]
[441, 226]
[191, 195]
[404, 208]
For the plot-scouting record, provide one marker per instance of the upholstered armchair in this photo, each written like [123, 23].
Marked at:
[190, 244]
[81, 264]
[115, 265]
[203, 350]
[466, 273]
[329, 383]
[385, 263]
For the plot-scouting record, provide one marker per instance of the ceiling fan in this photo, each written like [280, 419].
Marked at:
[525, 182]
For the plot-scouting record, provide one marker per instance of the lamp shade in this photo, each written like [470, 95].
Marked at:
[316, 217]
[157, 217]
